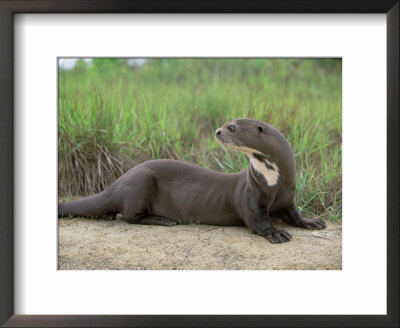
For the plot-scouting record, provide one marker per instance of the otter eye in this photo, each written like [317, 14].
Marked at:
[231, 128]
[260, 129]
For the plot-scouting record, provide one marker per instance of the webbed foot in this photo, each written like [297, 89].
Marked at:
[276, 236]
[312, 224]
[153, 220]
[291, 215]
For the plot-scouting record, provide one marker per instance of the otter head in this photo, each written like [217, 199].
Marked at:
[267, 149]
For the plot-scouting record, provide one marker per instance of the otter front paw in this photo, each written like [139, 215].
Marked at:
[275, 236]
[312, 224]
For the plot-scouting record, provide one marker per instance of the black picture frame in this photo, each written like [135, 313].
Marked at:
[7, 11]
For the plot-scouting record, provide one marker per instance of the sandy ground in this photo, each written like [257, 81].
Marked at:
[95, 244]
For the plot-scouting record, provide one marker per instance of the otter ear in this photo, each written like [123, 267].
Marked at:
[260, 129]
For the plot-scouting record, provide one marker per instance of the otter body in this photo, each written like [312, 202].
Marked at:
[164, 192]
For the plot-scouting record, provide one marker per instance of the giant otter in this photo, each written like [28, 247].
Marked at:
[164, 192]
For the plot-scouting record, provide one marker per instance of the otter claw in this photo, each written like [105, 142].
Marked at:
[278, 236]
[313, 224]
[285, 235]
[271, 239]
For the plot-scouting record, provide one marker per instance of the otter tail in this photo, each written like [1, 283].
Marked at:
[96, 205]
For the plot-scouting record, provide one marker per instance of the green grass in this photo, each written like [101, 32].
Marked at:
[112, 117]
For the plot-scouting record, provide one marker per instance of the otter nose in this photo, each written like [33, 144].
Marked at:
[218, 132]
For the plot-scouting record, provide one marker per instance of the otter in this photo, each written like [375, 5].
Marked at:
[164, 192]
